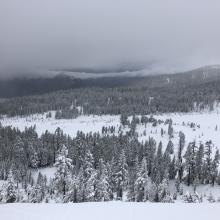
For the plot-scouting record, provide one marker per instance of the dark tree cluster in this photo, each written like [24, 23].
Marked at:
[118, 100]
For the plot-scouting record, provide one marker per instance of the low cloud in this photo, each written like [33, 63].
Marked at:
[169, 35]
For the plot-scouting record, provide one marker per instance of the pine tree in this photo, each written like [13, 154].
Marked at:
[172, 169]
[170, 130]
[179, 158]
[199, 163]
[87, 178]
[208, 161]
[102, 185]
[121, 175]
[166, 163]
[34, 160]
[163, 188]
[214, 167]
[10, 189]
[170, 147]
[190, 162]
[142, 183]
[63, 173]
[133, 174]
[158, 168]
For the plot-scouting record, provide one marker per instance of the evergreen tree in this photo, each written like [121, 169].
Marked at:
[190, 162]
[208, 161]
[142, 183]
[133, 174]
[10, 189]
[199, 163]
[102, 185]
[179, 156]
[121, 175]
[63, 173]
[87, 179]
[163, 188]
[170, 147]
[214, 167]
[170, 130]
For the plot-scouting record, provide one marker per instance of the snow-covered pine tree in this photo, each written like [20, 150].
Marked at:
[199, 171]
[87, 178]
[34, 160]
[121, 176]
[158, 168]
[190, 162]
[64, 168]
[172, 169]
[214, 167]
[208, 161]
[179, 162]
[10, 187]
[163, 188]
[170, 147]
[102, 185]
[142, 183]
[132, 176]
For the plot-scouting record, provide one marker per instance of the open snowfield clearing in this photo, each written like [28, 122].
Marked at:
[207, 126]
[109, 211]
[69, 126]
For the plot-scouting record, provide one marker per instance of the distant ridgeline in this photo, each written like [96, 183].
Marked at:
[183, 92]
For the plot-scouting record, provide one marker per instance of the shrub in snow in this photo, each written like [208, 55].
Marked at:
[36, 194]
[210, 198]
[167, 199]
[174, 195]
[191, 198]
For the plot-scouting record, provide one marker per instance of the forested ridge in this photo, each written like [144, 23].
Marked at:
[183, 92]
[119, 100]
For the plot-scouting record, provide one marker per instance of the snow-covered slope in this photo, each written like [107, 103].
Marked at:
[109, 211]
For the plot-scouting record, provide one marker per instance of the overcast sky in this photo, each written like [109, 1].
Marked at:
[167, 34]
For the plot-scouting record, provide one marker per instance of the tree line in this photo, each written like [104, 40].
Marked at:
[118, 100]
[102, 167]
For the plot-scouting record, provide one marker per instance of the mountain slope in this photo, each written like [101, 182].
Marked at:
[33, 86]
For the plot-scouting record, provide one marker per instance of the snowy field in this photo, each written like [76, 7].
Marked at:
[110, 211]
[69, 126]
[207, 126]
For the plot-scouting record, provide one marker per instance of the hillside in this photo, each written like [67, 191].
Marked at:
[24, 86]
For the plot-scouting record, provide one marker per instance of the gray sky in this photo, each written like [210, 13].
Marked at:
[169, 34]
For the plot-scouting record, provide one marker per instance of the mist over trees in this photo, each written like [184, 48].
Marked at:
[184, 92]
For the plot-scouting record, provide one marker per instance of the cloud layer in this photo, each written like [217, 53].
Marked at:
[49, 34]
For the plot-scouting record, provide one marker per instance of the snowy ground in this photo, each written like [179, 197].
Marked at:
[69, 126]
[109, 211]
[207, 126]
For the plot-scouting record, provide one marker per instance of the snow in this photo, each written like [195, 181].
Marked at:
[204, 130]
[48, 171]
[204, 190]
[87, 124]
[109, 211]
